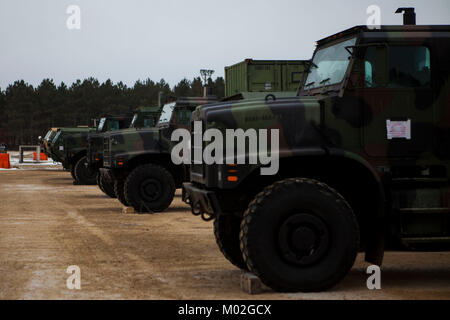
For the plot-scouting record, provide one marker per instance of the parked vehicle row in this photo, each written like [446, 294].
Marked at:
[364, 159]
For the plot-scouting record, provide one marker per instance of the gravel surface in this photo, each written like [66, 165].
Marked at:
[47, 224]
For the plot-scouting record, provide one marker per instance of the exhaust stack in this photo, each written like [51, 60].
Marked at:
[409, 16]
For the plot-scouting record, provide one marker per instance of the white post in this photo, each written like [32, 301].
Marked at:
[38, 154]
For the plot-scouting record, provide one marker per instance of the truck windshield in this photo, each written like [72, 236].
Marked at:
[166, 112]
[329, 65]
[133, 122]
[55, 139]
[47, 136]
[101, 124]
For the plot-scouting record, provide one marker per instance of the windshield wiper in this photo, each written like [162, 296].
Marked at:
[309, 84]
[325, 80]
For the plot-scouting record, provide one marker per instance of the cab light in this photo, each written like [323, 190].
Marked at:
[232, 178]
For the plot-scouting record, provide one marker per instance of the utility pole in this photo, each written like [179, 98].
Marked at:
[206, 74]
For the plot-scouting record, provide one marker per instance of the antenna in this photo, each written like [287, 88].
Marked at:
[206, 74]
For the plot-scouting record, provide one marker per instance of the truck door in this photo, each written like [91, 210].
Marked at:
[398, 98]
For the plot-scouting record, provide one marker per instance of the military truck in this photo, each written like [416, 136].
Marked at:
[94, 152]
[46, 142]
[364, 160]
[69, 146]
[145, 117]
[138, 160]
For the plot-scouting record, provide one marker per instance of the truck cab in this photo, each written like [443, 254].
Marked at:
[364, 161]
[138, 160]
[145, 117]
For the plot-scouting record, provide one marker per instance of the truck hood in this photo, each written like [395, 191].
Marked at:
[297, 119]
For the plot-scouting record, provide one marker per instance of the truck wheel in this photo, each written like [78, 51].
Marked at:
[118, 191]
[99, 184]
[299, 235]
[150, 188]
[226, 231]
[84, 174]
[107, 186]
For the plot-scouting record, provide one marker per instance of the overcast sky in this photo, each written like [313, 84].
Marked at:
[127, 40]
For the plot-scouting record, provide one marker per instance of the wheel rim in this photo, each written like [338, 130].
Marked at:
[151, 190]
[303, 239]
[89, 172]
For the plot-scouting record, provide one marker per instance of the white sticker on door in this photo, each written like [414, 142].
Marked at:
[398, 129]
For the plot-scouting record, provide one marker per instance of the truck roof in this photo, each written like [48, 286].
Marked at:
[73, 130]
[195, 101]
[443, 30]
[259, 95]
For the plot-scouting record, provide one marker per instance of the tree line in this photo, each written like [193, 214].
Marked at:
[27, 112]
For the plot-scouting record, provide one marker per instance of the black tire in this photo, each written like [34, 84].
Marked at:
[84, 174]
[99, 184]
[118, 191]
[226, 231]
[107, 186]
[150, 188]
[299, 235]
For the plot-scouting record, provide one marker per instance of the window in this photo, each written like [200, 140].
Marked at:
[149, 122]
[369, 67]
[188, 116]
[329, 65]
[114, 125]
[180, 116]
[408, 67]
[166, 112]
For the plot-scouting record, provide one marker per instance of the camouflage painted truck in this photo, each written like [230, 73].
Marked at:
[145, 117]
[46, 142]
[66, 145]
[138, 160]
[94, 152]
[364, 161]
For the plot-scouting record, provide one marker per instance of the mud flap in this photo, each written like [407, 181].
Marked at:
[375, 244]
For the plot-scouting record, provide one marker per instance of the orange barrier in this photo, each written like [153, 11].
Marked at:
[4, 161]
[43, 156]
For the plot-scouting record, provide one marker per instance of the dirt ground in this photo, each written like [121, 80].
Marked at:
[47, 224]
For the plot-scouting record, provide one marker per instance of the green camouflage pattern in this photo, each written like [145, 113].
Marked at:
[64, 144]
[125, 149]
[337, 133]
[94, 153]
[145, 117]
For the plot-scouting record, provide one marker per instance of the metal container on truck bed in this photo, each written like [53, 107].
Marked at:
[264, 76]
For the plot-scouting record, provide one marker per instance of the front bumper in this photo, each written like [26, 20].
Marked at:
[202, 201]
